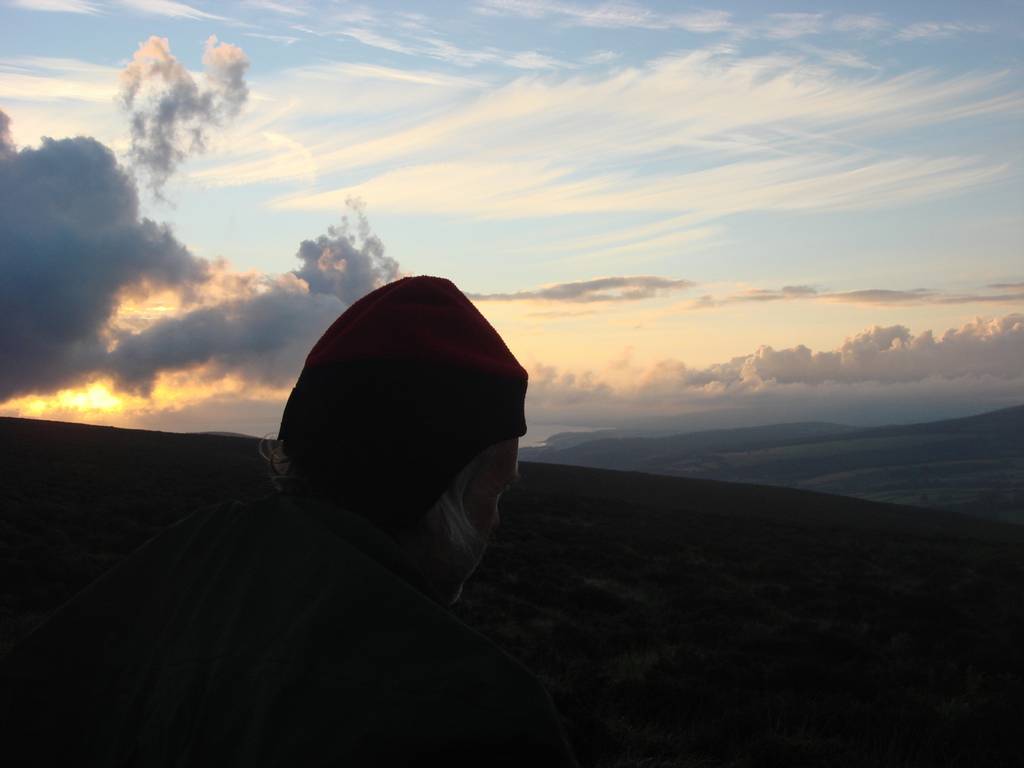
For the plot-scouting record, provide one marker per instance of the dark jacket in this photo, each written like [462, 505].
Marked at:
[285, 632]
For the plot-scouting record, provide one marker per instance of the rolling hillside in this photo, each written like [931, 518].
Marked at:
[972, 465]
[676, 622]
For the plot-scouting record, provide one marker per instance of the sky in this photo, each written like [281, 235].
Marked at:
[678, 216]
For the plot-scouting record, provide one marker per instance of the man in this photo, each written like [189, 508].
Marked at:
[312, 627]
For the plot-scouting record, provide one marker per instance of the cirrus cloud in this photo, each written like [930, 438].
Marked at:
[1009, 293]
[57, 6]
[933, 30]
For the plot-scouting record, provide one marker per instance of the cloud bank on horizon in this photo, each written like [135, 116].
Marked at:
[878, 376]
[620, 196]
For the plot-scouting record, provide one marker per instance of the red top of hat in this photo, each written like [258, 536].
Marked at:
[417, 319]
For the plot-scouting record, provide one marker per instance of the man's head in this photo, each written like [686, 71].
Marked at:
[408, 396]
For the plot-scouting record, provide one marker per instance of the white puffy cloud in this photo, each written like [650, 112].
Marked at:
[171, 114]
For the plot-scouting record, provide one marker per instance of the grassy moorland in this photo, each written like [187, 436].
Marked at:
[676, 622]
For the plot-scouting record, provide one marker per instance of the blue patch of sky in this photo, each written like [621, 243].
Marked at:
[108, 38]
[929, 244]
[233, 223]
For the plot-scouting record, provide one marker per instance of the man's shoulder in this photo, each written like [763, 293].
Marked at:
[332, 605]
[251, 624]
[411, 673]
[366, 592]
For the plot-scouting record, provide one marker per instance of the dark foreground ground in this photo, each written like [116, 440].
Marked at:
[676, 622]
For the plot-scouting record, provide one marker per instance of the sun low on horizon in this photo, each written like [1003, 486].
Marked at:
[676, 216]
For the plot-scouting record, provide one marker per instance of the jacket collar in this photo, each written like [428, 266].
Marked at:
[372, 541]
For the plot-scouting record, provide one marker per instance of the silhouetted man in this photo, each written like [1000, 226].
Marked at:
[312, 627]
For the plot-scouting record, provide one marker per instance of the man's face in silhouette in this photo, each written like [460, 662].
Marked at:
[485, 489]
[449, 569]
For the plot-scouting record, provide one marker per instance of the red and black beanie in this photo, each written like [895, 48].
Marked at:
[402, 391]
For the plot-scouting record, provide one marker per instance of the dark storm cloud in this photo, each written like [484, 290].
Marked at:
[170, 113]
[71, 245]
[265, 336]
[6, 143]
[599, 289]
[344, 263]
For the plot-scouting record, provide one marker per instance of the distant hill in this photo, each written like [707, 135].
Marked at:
[973, 465]
[675, 621]
[723, 437]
